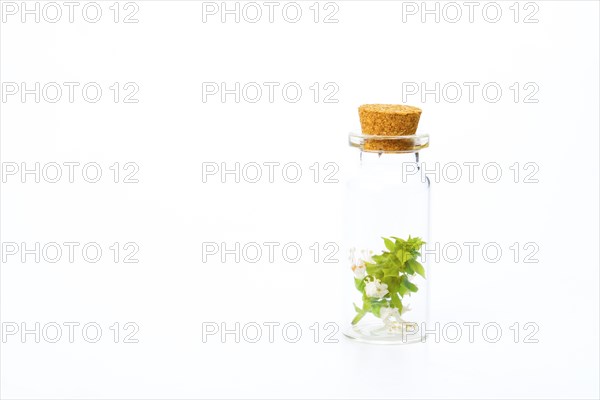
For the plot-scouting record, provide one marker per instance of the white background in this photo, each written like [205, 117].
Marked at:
[370, 53]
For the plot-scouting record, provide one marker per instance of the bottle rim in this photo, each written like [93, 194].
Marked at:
[388, 144]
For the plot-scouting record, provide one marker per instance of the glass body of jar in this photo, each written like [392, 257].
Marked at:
[387, 223]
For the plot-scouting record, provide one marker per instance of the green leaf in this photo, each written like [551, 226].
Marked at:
[379, 258]
[396, 302]
[410, 286]
[392, 271]
[417, 267]
[372, 268]
[360, 284]
[376, 309]
[389, 244]
[402, 290]
[393, 283]
[356, 308]
[399, 242]
[358, 317]
[403, 256]
[366, 304]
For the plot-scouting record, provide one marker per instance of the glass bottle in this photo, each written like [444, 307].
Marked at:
[387, 222]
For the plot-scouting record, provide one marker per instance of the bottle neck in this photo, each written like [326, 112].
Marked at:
[391, 167]
[388, 161]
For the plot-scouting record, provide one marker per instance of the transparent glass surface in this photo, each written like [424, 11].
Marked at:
[387, 197]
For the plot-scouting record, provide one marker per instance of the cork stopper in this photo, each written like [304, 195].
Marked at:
[389, 120]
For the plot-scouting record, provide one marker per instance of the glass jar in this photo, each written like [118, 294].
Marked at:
[387, 222]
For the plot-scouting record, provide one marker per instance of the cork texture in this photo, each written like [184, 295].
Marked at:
[388, 120]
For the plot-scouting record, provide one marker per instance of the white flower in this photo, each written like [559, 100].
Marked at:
[360, 271]
[376, 289]
[367, 256]
[351, 255]
[388, 313]
[358, 259]
[357, 256]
